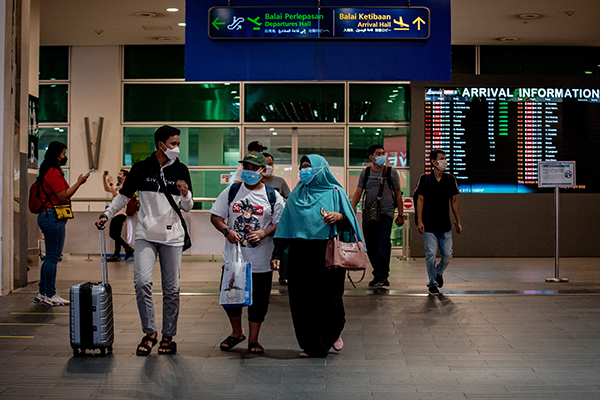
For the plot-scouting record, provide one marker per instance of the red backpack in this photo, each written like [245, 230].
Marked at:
[36, 204]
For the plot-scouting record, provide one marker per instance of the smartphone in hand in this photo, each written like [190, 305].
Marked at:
[89, 172]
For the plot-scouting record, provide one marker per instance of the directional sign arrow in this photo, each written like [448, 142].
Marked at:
[216, 24]
[419, 21]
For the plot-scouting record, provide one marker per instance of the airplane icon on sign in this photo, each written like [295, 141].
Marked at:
[403, 26]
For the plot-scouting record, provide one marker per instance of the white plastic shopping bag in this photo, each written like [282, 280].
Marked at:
[236, 283]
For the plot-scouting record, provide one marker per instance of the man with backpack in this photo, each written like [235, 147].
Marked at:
[382, 195]
[248, 213]
[436, 192]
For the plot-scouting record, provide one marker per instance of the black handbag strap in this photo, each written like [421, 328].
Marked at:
[173, 204]
[384, 177]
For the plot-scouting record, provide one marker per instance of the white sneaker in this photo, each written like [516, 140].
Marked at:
[56, 300]
[39, 298]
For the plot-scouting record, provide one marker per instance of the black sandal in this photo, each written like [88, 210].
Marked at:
[231, 342]
[167, 346]
[143, 349]
[255, 348]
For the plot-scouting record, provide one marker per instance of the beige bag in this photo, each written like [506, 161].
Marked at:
[346, 256]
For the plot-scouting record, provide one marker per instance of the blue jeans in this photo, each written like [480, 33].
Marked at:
[431, 241]
[379, 245]
[54, 235]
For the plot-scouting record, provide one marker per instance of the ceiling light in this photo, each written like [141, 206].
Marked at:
[181, 24]
[530, 16]
[172, 9]
[274, 133]
[165, 38]
[508, 39]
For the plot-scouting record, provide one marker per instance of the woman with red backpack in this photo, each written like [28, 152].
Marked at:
[55, 194]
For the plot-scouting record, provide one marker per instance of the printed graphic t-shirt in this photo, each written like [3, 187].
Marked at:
[249, 211]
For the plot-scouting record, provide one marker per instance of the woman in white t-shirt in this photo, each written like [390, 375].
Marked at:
[251, 221]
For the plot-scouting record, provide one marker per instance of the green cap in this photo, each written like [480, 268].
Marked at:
[256, 159]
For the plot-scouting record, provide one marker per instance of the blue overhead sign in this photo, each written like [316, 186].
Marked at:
[368, 40]
[318, 23]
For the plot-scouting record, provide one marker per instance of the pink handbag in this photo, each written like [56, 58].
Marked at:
[346, 256]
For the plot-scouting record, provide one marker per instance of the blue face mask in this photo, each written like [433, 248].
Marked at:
[251, 178]
[306, 175]
[380, 160]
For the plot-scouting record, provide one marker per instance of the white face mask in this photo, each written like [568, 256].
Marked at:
[269, 171]
[171, 153]
[442, 165]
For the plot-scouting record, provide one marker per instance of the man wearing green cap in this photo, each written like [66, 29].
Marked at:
[248, 213]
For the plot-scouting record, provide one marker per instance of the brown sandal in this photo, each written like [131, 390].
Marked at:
[143, 348]
[167, 346]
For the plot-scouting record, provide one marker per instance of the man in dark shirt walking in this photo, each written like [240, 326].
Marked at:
[437, 192]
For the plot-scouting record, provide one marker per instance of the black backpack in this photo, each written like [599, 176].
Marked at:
[236, 188]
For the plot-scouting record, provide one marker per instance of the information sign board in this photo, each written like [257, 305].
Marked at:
[315, 23]
[556, 174]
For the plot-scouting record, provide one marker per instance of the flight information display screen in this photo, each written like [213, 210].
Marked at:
[495, 137]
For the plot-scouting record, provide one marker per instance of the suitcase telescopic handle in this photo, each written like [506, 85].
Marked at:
[103, 263]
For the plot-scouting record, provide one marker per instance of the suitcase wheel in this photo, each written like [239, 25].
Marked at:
[109, 350]
[76, 351]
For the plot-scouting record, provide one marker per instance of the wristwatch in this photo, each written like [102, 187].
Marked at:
[103, 216]
[225, 231]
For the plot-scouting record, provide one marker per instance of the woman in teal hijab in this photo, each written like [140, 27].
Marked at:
[315, 211]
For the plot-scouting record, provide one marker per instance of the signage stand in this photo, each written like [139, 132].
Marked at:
[556, 258]
[556, 174]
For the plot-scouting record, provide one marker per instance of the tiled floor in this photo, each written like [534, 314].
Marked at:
[498, 332]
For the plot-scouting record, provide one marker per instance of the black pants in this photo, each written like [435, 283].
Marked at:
[379, 245]
[116, 226]
[261, 292]
[315, 294]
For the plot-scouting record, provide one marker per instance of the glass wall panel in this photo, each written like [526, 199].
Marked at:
[208, 184]
[209, 146]
[47, 135]
[146, 62]
[328, 143]
[397, 232]
[394, 140]
[54, 63]
[279, 144]
[54, 103]
[294, 102]
[379, 102]
[181, 102]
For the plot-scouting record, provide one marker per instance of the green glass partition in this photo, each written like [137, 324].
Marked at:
[54, 103]
[294, 102]
[54, 63]
[207, 146]
[209, 184]
[395, 140]
[181, 102]
[148, 62]
[379, 102]
[47, 135]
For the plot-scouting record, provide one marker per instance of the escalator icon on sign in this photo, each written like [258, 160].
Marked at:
[236, 24]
